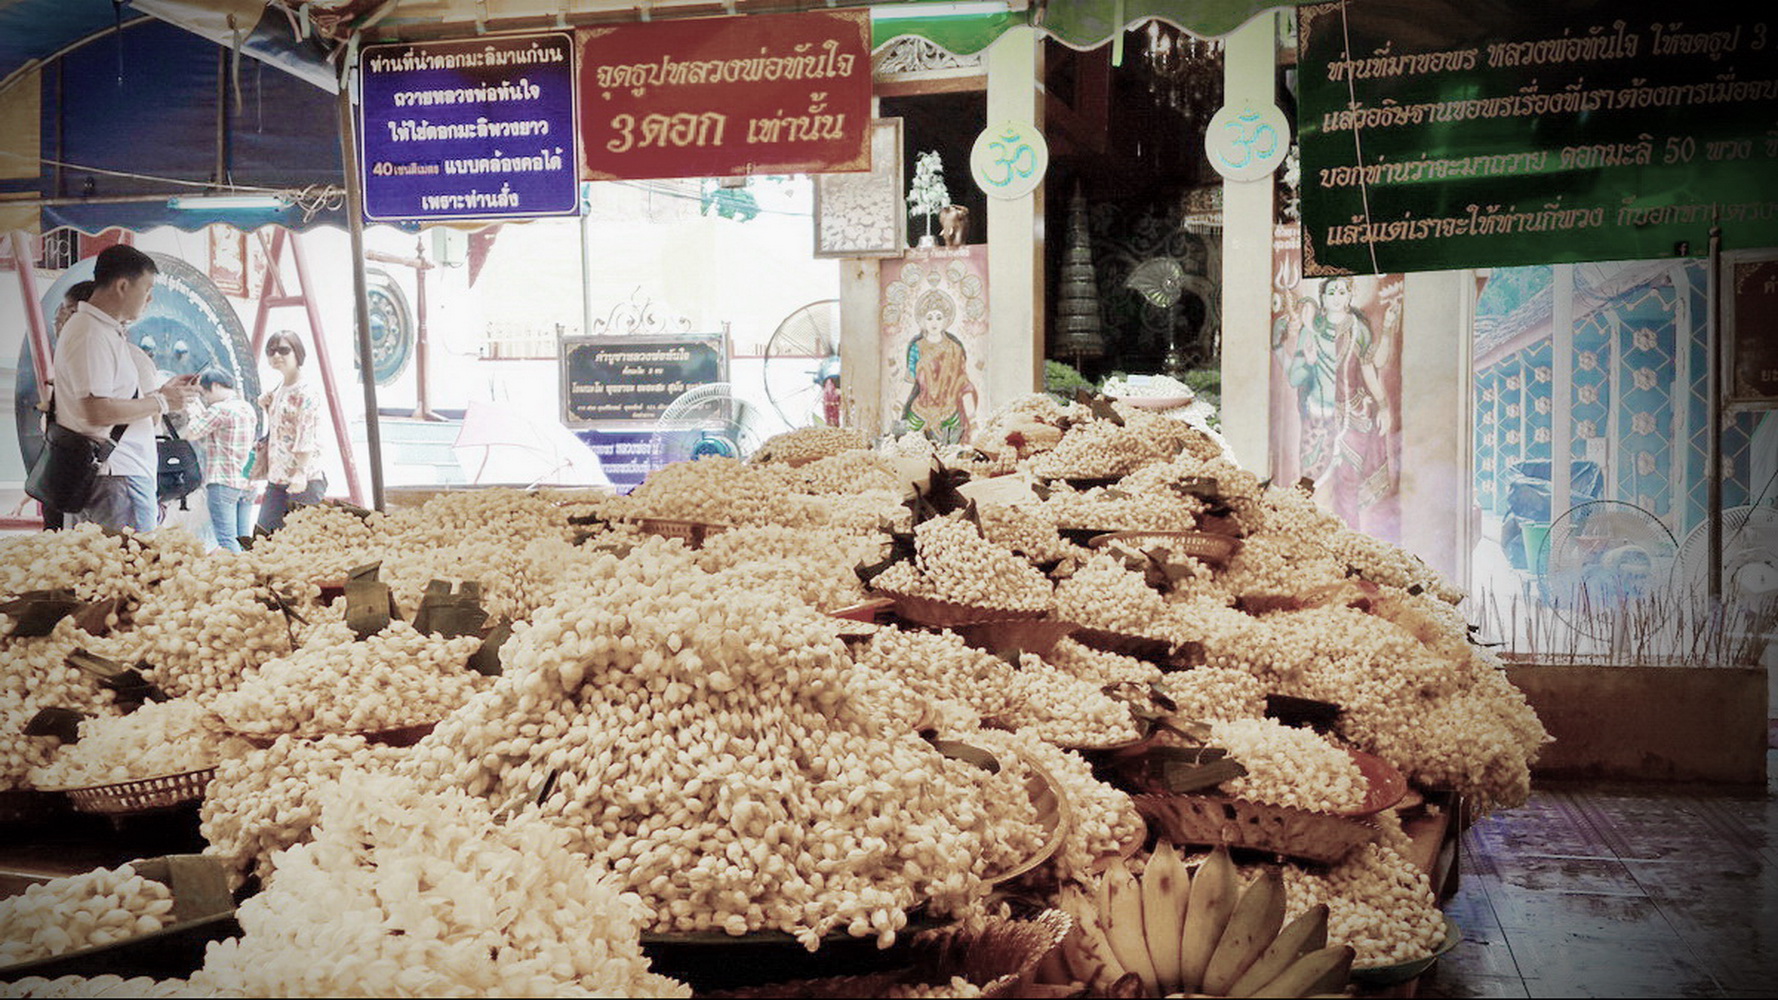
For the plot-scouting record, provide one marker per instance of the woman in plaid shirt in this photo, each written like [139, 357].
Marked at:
[224, 423]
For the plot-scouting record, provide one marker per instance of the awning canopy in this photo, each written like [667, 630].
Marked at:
[106, 108]
[33, 32]
[1087, 24]
[103, 130]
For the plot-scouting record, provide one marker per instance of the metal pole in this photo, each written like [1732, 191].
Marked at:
[373, 438]
[306, 298]
[1713, 444]
[36, 330]
[422, 349]
[586, 273]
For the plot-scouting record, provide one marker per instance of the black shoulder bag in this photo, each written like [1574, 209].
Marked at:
[68, 466]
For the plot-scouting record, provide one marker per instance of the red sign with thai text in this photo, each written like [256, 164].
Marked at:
[718, 96]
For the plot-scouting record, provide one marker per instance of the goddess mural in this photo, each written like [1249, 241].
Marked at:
[943, 400]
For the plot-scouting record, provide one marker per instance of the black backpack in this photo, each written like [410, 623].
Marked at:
[178, 473]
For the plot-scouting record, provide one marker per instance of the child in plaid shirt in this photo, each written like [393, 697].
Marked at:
[224, 424]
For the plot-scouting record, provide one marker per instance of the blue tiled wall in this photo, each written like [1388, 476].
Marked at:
[1639, 422]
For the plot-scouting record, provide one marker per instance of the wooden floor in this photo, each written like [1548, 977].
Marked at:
[1619, 890]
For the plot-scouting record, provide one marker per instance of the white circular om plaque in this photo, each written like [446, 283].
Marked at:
[1009, 159]
[1247, 143]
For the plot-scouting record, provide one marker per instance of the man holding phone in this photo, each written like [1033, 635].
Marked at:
[104, 382]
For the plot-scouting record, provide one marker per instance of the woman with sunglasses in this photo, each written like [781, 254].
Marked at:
[293, 434]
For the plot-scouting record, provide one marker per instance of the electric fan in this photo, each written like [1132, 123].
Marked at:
[708, 420]
[1602, 557]
[801, 356]
[1749, 559]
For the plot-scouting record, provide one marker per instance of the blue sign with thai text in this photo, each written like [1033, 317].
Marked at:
[472, 129]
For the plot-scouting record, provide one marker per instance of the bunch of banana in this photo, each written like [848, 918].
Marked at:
[1176, 933]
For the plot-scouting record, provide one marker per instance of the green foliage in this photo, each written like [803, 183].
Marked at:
[1061, 379]
[1206, 382]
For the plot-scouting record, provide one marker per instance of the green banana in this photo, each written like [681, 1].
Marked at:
[1214, 892]
[1252, 926]
[1308, 932]
[1121, 898]
[1166, 889]
[1316, 972]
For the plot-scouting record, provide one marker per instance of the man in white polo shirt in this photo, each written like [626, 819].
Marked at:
[103, 380]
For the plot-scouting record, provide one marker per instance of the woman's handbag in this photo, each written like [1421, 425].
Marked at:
[66, 469]
[259, 460]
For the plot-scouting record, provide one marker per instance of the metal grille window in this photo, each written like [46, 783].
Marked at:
[61, 249]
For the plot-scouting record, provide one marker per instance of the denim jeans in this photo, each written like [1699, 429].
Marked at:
[278, 499]
[231, 514]
[121, 502]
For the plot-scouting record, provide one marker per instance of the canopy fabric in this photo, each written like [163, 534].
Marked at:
[153, 131]
[34, 30]
[964, 35]
[1088, 24]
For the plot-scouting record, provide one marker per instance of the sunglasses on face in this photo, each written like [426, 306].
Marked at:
[279, 349]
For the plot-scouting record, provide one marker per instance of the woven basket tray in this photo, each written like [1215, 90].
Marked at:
[1216, 550]
[945, 614]
[997, 957]
[693, 532]
[203, 911]
[1209, 820]
[1162, 652]
[142, 795]
[1385, 785]
[1052, 813]
[1033, 635]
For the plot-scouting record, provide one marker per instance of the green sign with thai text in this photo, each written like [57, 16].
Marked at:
[1449, 133]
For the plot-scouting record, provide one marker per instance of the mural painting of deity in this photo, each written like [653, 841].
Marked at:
[934, 329]
[1336, 348]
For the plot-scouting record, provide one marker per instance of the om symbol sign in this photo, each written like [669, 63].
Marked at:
[1009, 159]
[1247, 144]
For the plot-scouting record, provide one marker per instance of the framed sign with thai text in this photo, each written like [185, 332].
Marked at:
[1750, 327]
[721, 96]
[623, 381]
[473, 129]
[1442, 134]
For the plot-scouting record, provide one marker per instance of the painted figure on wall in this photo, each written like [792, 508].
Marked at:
[1336, 348]
[933, 325]
[943, 400]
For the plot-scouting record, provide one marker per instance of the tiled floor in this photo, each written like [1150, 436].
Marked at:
[1619, 891]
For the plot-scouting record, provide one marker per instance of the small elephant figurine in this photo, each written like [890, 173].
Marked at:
[953, 225]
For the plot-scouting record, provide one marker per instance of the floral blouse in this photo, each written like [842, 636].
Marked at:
[294, 425]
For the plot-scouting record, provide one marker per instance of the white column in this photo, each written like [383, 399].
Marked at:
[1015, 234]
[1437, 418]
[1561, 389]
[1249, 64]
[1681, 451]
[861, 353]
